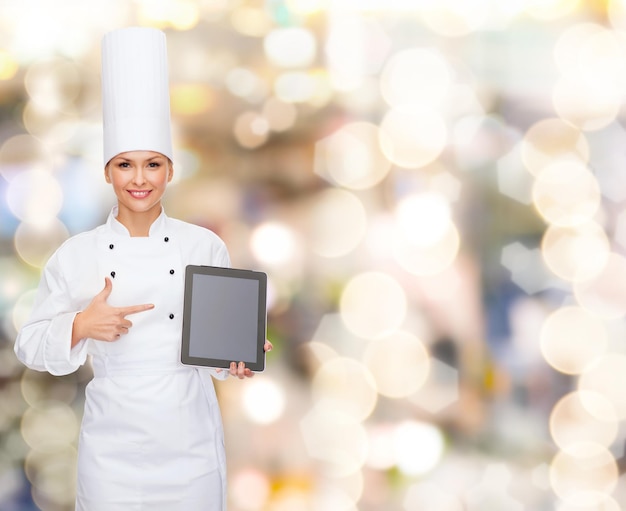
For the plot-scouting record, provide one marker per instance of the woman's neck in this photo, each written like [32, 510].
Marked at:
[138, 223]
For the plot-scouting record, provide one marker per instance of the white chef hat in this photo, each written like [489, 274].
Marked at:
[135, 92]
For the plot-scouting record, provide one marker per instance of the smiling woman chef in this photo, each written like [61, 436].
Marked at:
[151, 436]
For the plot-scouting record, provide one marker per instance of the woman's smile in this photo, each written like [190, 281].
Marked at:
[139, 194]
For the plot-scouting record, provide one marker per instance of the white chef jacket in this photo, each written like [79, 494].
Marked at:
[151, 436]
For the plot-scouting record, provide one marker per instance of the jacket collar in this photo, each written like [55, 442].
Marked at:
[157, 228]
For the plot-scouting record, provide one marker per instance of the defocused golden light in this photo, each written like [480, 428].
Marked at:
[605, 293]
[179, 14]
[549, 140]
[307, 7]
[190, 98]
[551, 9]
[35, 196]
[607, 377]
[616, 12]
[251, 130]
[415, 76]
[352, 157]
[571, 44]
[250, 21]
[53, 477]
[427, 496]
[584, 474]
[399, 363]
[566, 193]
[349, 490]
[54, 85]
[380, 454]
[586, 101]
[274, 243]
[373, 305]
[440, 390]
[321, 352]
[454, 18]
[22, 308]
[603, 55]
[423, 219]
[290, 47]
[280, 115]
[295, 86]
[21, 152]
[36, 389]
[8, 66]
[575, 253]
[418, 447]
[34, 244]
[49, 427]
[52, 127]
[356, 47]
[425, 259]
[250, 489]
[345, 385]
[263, 401]
[572, 339]
[336, 439]
[412, 136]
[572, 423]
[597, 502]
[337, 223]
[290, 499]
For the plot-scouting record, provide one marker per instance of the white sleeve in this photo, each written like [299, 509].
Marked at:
[44, 341]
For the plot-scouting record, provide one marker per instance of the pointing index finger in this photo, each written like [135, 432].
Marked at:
[134, 309]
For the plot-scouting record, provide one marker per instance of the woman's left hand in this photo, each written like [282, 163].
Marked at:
[240, 370]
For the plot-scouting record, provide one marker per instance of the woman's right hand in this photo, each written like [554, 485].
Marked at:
[102, 322]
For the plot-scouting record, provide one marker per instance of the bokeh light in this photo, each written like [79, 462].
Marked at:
[606, 377]
[344, 385]
[274, 243]
[35, 196]
[571, 421]
[576, 253]
[373, 305]
[35, 243]
[427, 496]
[351, 157]
[418, 447]
[335, 439]
[573, 339]
[584, 474]
[264, 401]
[399, 364]
[604, 293]
[415, 76]
[338, 223]
[412, 136]
[566, 193]
[550, 140]
[290, 47]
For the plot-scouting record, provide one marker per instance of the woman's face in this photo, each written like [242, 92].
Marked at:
[139, 179]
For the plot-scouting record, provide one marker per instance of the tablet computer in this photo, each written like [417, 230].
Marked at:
[224, 317]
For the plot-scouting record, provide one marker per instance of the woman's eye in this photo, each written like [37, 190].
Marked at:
[124, 165]
[154, 164]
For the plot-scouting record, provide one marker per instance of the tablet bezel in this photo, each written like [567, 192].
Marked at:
[257, 365]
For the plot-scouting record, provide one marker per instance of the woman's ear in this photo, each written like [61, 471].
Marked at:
[107, 177]
[170, 172]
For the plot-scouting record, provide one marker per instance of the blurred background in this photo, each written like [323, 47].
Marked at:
[435, 190]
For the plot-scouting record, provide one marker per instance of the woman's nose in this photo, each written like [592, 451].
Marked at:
[139, 177]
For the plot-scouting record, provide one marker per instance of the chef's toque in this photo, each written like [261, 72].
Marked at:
[135, 92]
